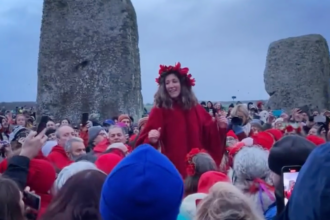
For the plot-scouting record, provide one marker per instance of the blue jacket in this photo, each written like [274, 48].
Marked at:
[310, 199]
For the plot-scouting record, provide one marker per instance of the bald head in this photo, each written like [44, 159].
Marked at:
[63, 134]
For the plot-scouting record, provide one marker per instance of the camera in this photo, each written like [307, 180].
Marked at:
[236, 121]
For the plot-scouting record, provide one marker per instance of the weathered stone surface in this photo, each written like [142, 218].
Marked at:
[89, 59]
[298, 73]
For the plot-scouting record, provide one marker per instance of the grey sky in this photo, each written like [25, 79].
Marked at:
[223, 42]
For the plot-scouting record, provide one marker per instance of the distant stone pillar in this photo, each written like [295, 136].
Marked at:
[89, 59]
[298, 73]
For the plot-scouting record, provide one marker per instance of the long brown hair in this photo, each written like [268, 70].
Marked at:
[187, 98]
[78, 198]
[9, 200]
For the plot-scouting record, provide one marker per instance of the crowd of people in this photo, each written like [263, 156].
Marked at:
[184, 160]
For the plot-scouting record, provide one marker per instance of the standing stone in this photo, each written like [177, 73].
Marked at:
[89, 59]
[298, 73]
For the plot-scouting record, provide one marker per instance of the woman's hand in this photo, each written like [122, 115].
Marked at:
[154, 135]
[222, 121]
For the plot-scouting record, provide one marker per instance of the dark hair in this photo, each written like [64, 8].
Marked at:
[79, 198]
[187, 97]
[115, 118]
[67, 120]
[9, 200]
[87, 157]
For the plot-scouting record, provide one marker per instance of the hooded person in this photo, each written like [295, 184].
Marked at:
[251, 173]
[144, 185]
[310, 198]
[281, 155]
[188, 207]
[232, 139]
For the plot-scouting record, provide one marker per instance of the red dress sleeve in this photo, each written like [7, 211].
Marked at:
[155, 121]
[214, 138]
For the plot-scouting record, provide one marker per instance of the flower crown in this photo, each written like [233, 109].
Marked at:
[177, 69]
[190, 164]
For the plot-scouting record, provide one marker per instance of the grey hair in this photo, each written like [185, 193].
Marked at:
[251, 163]
[117, 126]
[68, 143]
[225, 201]
[203, 163]
[71, 170]
[57, 132]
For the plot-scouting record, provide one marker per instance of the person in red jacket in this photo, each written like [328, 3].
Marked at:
[58, 156]
[178, 123]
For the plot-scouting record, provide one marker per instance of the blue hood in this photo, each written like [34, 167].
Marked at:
[310, 199]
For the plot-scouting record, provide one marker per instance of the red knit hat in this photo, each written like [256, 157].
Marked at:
[208, 179]
[264, 139]
[316, 140]
[41, 176]
[276, 133]
[232, 134]
[107, 162]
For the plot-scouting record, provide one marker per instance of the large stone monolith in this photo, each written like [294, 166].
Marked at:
[298, 73]
[89, 59]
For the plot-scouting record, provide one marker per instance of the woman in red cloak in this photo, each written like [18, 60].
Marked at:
[177, 123]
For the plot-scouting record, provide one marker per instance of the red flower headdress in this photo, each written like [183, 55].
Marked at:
[176, 69]
[190, 169]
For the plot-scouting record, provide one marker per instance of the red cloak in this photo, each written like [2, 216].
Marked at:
[182, 130]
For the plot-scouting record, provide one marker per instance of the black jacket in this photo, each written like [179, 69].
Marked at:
[17, 170]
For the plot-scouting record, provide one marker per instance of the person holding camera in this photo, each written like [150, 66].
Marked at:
[240, 122]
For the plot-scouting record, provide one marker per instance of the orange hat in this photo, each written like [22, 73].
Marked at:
[277, 134]
[142, 121]
[122, 117]
[107, 162]
[231, 134]
[208, 179]
[316, 140]
[264, 139]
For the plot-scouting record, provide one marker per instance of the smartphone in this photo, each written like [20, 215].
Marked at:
[289, 177]
[320, 119]
[32, 200]
[84, 119]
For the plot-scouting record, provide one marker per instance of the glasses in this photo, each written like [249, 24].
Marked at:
[102, 133]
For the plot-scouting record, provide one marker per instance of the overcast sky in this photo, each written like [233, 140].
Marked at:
[223, 42]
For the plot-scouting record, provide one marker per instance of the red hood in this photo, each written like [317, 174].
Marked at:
[59, 158]
[102, 146]
[59, 150]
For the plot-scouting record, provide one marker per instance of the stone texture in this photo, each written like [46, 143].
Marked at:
[297, 73]
[89, 59]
